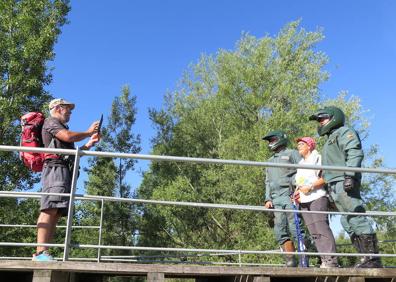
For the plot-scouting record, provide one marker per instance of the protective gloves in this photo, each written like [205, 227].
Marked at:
[349, 183]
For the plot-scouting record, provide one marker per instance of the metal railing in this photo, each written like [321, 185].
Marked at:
[73, 196]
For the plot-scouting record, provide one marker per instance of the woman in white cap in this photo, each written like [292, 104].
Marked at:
[312, 196]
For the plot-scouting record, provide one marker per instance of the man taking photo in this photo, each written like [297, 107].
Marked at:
[57, 171]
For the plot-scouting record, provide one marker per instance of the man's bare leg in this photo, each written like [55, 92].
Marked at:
[46, 226]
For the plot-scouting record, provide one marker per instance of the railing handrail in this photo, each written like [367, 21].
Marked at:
[195, 160]
[186, 204]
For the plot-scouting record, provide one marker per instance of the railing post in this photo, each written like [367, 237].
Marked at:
[240, 258]
[71, 205]
[100, 229]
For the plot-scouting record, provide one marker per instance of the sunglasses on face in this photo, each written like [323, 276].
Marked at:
[322, 117]
[66, 107]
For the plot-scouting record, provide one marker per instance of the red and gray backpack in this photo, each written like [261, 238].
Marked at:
[32, 123]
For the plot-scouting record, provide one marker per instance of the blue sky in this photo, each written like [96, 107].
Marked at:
[148, 44]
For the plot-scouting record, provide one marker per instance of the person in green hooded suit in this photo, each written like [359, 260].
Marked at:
[344, 148]
[279, 183]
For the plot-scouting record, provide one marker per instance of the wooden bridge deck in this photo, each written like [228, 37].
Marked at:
[71, 271]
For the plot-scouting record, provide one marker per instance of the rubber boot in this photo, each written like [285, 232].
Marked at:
[368, 244]
[356, 243]
[290, 260]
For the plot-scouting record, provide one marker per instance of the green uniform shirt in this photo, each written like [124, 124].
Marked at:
[342, 148]
[279, 179]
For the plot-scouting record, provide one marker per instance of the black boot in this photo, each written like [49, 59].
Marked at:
[356, 243]
[368, 244]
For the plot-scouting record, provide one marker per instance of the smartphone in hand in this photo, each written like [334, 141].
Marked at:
[100, 123]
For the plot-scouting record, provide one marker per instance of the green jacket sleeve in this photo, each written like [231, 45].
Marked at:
[352, 147]
[267, 188]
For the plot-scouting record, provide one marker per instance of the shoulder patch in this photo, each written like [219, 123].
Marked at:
[285, 158]
[350, 135]
[331, 141]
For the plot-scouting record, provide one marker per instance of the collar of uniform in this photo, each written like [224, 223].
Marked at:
[335, 131]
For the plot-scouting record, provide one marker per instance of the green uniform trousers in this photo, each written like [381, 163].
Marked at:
[350, 202]
[285, 226]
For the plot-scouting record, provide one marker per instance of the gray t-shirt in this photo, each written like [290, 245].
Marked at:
[51, 127]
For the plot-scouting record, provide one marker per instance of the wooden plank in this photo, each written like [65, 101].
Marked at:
[241, 278]
[42, 276]
[155, 277]
[193, 270]
[261, 279]
[50, 276]
[356, 279]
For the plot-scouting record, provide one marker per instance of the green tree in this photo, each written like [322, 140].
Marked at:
[107, 178]
[28, 31]
[224, 105]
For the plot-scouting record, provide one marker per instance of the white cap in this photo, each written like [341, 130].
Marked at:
[60, 101]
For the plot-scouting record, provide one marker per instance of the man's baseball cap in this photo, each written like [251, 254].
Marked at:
[309, 141]
[58, 102]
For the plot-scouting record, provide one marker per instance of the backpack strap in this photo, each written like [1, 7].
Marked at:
[48, 156]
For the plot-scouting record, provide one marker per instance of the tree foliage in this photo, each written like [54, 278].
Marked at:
[106, 177]
[28, 31]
